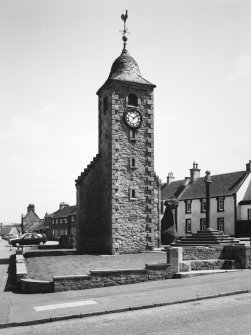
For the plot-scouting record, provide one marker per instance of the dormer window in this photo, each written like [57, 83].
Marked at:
[132, 100]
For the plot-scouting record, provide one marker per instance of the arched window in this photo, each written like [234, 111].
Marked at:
[132, 100]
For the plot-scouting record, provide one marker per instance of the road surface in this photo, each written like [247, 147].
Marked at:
[226, 315]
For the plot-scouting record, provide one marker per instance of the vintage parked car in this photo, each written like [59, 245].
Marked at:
[29, 239]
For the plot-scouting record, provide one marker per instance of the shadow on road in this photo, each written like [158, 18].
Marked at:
[11, 284]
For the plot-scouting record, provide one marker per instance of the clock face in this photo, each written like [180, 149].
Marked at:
[133, 118]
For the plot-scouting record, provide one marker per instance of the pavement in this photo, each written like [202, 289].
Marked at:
[22, 309]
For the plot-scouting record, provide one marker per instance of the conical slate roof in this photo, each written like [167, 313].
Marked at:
[126, 69]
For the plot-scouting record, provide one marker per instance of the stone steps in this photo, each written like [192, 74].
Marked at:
[206, 238]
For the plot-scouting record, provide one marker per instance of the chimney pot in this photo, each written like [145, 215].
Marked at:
[169, 178]
[31, 207]
[62, 205]
[194, 172]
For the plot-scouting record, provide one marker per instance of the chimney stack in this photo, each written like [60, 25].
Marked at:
[169, 178]
[62, 205]
[31, 208]
[194, 172]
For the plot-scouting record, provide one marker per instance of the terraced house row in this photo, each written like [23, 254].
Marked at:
[230, 202]
[61, 222]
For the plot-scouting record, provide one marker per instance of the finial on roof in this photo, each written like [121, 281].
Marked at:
[124, 18]
[207, 177]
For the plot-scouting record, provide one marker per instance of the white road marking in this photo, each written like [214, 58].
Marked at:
[65, 305]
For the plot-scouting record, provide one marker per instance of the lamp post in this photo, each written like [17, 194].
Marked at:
[22, 224]
[208, 181]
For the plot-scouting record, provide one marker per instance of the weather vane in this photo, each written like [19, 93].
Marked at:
[124, 18]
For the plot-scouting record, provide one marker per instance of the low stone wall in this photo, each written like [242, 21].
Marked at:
[36, 286]
[209, 264]
[178, 259]
[241, 254]
[21, 271]
[202, 253]
[103, 278]
[213, 264]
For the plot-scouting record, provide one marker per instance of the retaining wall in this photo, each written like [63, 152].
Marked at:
[103, 278]
[241, 254]
[178, 259]
[202, 253]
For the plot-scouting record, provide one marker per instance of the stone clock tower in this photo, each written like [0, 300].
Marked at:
[118, 194]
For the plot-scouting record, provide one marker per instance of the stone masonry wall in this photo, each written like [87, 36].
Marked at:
[134, 220]
[93, 235]
[110, 219]
[195, 253]
[114, 277]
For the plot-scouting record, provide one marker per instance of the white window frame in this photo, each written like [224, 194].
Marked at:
[220, 204]
[203, 205]
[220, 224]
[188, 206]
[203, 224]
[188, 224]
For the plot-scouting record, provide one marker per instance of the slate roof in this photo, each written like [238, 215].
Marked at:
[173, 189]
[64, 212]
[5, 230]
[30, 217]
[34, 226]
[222, 185]
[126, 69]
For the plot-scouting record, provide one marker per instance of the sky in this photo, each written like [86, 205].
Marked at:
[56, 54]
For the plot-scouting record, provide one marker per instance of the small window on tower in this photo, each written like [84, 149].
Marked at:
[133, 100]
[105, 104]
[133, 135]
[133, 162]
[133, 193]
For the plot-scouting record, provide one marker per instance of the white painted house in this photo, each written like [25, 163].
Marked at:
[230, 202]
